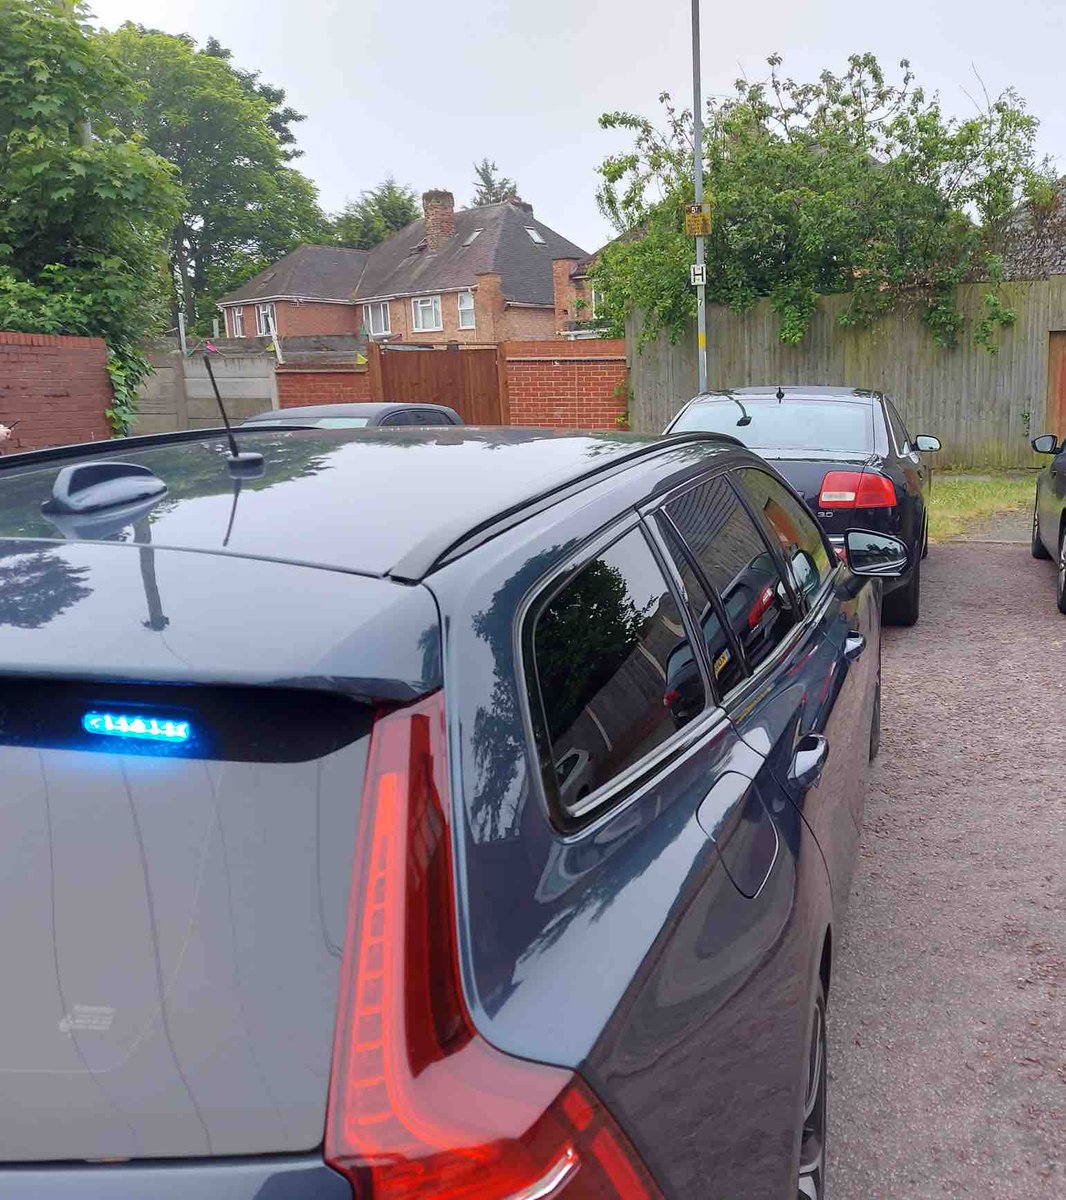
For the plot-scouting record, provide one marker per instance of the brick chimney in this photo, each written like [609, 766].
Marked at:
[439, 208]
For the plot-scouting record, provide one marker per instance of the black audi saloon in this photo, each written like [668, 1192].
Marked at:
[454, 813]
[848, 454]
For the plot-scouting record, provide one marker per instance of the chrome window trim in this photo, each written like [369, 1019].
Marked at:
[634, 780]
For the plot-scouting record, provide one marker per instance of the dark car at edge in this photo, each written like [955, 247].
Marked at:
[357, 414]
[463, 813]
[847, 452]
[1049, 511]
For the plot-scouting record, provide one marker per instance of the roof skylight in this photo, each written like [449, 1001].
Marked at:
[472, 237]
[534, 236]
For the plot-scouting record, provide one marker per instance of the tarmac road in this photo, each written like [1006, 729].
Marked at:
[948, 1003]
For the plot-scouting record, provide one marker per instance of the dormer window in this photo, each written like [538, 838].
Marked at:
[534, 236]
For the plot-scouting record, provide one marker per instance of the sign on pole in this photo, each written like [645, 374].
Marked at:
[698, 219]
[697, 274]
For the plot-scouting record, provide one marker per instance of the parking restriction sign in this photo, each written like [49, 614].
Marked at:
[698, 219]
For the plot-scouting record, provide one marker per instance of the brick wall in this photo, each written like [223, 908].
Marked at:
[522, 324]
[57, 388]
[571, 384]
[299, 385]
[302, 320]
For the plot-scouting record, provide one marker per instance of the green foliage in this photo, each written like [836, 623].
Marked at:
[852, 183]
[229, 137]
[84, 208]
[491, 188]
[376, 215]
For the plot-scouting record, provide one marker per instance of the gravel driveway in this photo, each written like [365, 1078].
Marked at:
[948, 1008]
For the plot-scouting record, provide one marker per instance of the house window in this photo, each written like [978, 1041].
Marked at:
[425, 314]
[595, 303]
[377, 318]
[466, 310]
[265, 320]
[535, 236]
[236, 320]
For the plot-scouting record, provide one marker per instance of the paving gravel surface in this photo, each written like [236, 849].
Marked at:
[948, 1006]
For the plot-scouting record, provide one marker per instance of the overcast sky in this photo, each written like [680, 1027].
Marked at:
[421, 88]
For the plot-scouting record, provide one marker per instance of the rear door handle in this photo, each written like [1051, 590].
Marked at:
[808, 762]
[854, 645]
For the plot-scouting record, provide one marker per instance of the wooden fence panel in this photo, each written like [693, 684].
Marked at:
[984, 407]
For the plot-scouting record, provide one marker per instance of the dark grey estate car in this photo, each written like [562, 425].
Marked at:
[456, 813]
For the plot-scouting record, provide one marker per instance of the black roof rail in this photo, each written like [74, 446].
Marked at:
[112, 446]
[445, 544]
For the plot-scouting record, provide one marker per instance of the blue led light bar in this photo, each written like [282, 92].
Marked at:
[137, 725]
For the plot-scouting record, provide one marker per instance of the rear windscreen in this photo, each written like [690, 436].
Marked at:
[788, 425]
[179, 862]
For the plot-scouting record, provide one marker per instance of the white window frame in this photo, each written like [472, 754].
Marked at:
[272, 326]
[464, 311]
[382, 306]
[416, 314]
[237, 320]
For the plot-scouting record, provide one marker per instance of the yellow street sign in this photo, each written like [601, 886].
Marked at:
[698, 219]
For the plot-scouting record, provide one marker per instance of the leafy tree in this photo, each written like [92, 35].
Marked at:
[852, 183]
[84, 208]
[230, 139]
[376, 215]
[490, 187]
[281, 115]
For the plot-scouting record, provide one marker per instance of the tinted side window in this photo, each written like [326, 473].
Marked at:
[402, 417]
[797, 533]
[737, 563]
[727, 666]
[617, 675]
[899, 430]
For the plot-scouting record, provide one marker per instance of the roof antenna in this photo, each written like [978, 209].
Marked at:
[239, 462]
[780, 394]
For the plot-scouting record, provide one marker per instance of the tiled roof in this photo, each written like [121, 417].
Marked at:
[403, 266]
[311, 272]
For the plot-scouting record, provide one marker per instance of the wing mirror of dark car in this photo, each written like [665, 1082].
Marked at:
[926, 444]
[1046, 443]
[872, 554]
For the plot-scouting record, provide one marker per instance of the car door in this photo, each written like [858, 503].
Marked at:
[813, 725]
[716, 999]
[1051, 498]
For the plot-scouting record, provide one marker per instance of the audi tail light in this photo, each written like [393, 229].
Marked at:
[421, 1105]
[857, 489]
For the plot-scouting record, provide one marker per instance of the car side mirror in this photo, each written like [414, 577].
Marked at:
[926, 444]
[875, 555]
[1046, 443]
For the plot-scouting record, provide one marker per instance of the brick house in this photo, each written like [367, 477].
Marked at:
[481, 275]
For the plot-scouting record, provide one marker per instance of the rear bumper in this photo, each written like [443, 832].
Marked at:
[282, 1178]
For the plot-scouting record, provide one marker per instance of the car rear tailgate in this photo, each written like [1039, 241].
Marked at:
[174, 880]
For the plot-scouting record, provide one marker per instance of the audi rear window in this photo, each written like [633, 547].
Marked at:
[839, 425]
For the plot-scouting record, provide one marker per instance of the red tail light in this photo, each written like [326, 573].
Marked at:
[857, 489]
[421, 1105]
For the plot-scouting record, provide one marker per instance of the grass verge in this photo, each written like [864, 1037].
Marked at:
[960, 501]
